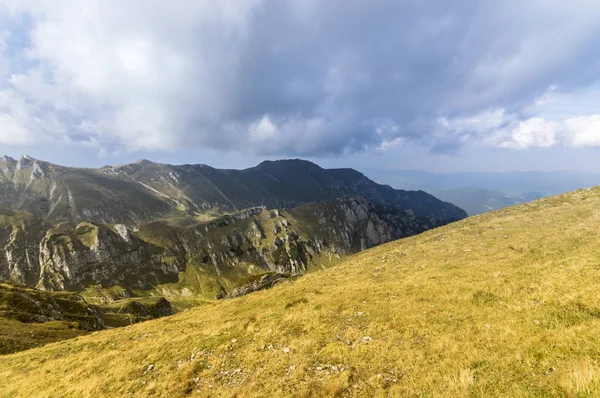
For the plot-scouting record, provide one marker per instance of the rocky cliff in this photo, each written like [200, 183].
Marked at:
[20, 237]
[206, 258]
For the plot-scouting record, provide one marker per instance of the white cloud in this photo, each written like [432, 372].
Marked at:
[25, 123]
[534, 132]
[385, 145]
[583, 131]
[13, 133]
[303, 134]
[264, 129]
[485, 121]
[496, 128]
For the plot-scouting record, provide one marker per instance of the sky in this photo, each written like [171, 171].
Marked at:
[391, 84]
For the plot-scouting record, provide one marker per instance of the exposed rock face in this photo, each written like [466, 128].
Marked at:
[89, 227]
[162, 307]
[260, 282]
[20, 234]
[357, 224]
[221, 251]
[96, 254]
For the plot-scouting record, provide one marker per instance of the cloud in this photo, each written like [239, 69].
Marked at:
[498, 129]
[294, 77]
[531, 133]
[583, 131]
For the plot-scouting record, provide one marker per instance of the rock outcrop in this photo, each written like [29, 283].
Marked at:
[218, 252]
[89, 254]
[257, 283]
[28, 305]
[20, 236]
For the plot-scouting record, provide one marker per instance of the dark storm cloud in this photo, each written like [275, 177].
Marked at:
[297, 77]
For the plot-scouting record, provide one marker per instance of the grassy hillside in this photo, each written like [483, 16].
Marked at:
[31, 318]
[502, 304]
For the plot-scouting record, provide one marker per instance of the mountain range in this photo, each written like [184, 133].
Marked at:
[192, 230]
[145, 191]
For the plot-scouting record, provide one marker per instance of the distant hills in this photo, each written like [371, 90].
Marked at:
[478, 200]
[478, 192]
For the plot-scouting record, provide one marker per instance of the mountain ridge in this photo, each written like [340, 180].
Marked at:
[144, 191]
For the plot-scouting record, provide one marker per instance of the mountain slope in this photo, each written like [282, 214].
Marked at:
[57, 193]
[204, 259]
[144, 191]
[502, 304]
[30, 318]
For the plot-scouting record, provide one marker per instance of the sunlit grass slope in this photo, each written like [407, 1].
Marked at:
[502, 304]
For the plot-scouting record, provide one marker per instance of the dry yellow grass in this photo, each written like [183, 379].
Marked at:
[502, 304]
